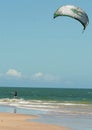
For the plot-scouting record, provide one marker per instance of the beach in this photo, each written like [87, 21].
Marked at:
[11, 121]
[49, 108]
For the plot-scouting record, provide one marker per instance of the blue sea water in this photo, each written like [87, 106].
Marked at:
[66, 107]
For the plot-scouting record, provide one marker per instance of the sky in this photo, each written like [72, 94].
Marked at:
[39, 51]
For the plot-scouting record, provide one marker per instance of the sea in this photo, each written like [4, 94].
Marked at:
[68, 107]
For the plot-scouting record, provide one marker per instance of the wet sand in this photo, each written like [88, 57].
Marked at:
[10, 121]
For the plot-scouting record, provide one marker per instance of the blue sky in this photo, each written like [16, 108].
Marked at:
[39, 51]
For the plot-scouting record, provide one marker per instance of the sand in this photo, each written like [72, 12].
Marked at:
[10, 121]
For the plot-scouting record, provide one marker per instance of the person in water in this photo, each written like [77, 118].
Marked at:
[15, 94]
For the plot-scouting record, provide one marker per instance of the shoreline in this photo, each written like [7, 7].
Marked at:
[12, 121]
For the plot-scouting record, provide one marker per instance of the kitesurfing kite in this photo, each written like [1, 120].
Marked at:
[73, 12]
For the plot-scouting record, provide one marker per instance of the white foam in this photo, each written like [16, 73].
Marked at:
[49, 106]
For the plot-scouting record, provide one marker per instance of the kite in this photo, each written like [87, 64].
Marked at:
[73, 12]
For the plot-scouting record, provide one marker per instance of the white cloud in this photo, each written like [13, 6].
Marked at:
[38, 75]
[45, 77]
[13, 72]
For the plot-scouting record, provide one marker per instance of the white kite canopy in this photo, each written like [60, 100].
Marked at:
[73, 12]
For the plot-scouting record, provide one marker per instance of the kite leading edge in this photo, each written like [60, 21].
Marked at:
[73, 12]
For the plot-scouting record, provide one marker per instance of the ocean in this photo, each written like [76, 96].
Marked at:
[66, 107]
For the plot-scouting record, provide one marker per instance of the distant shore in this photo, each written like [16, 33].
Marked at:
[11, 121]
